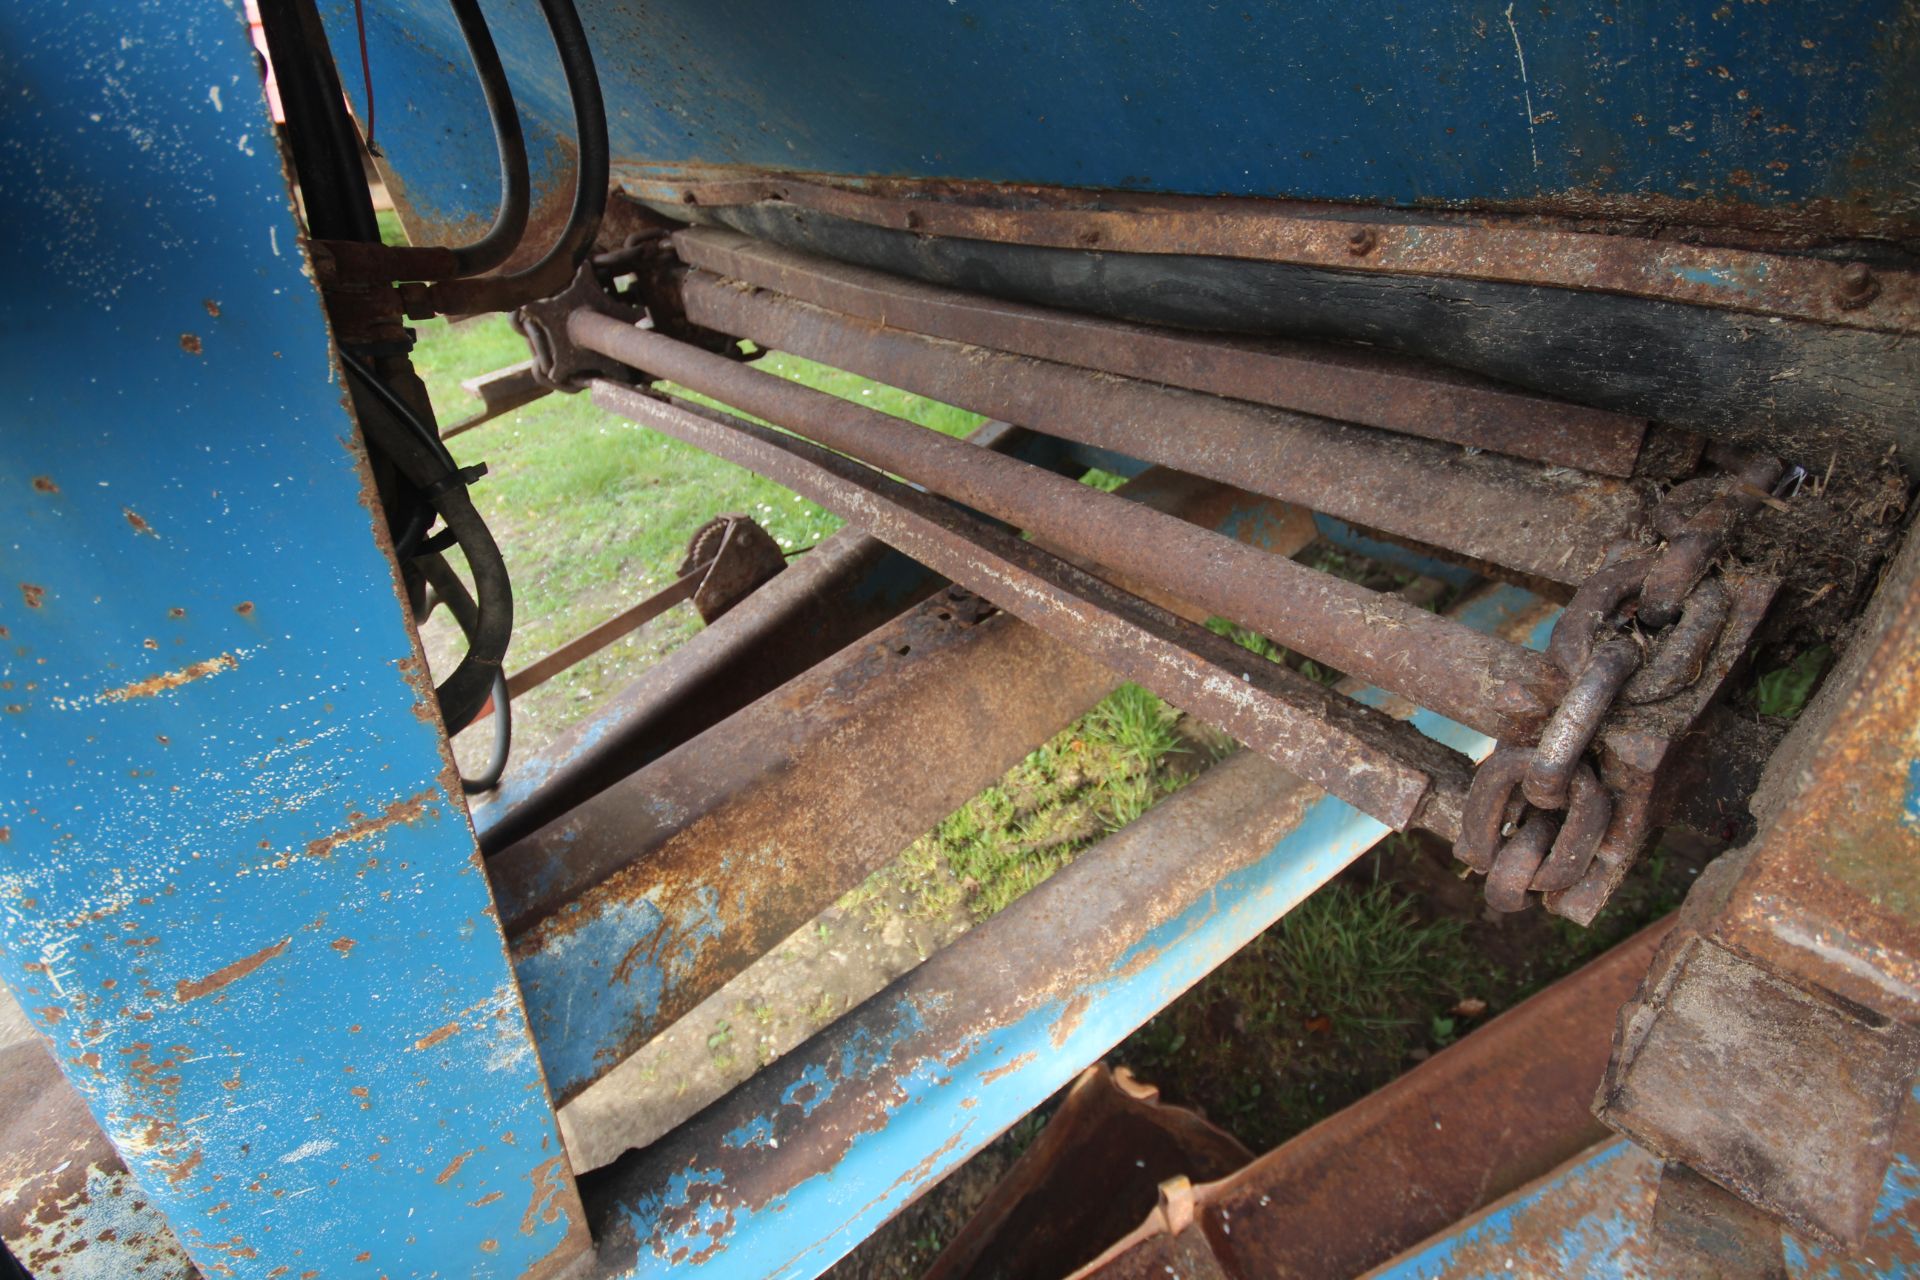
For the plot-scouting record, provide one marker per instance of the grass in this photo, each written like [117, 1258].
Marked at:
[1095, 776]
[1337, 997]
[1783, 692]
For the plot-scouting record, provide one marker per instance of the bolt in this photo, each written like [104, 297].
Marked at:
[689, 197]
[913, 221]
[1362, 242]
[1857, 286]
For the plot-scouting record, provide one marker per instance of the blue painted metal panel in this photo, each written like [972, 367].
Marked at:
[903, 1095]
[1593, 1218]
[238, 891]
[1400, 101]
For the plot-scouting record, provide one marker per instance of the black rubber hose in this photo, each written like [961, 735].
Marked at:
[453, 593]
[420, 456]
[510, 222]
[320, 133]
[590, 127]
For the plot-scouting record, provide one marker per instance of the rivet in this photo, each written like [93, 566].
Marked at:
[1857, 286]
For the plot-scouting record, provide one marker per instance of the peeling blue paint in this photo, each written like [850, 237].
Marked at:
[1414, 103]
[1529, 1233]
[241, 899]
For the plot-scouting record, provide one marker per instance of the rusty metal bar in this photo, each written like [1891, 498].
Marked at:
[591, 642]
[501, 391]
[1369, 388]
[805, 1159]
[1480, 1119]
[1842, 294]
[1553, 523]
[823, 601]
[1481, 681]
[661, 864]
[1365, 757]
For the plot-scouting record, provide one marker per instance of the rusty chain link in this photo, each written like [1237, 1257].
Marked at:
[1637, 631]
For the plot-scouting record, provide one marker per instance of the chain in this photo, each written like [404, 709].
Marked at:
[1637, 631]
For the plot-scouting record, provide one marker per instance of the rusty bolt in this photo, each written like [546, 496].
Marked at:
[1090, 237]
[1362, 242]
[689, 197]
[1857, 286]
[913, 221]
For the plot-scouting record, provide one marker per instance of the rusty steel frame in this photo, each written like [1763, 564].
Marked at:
[1367, 388]
[799, 1163]
[1498, 688]
[1553, 523]
[1778, 1037]
[1598, 1217]
[660, 863]
[824, 600]
[1355, 752]
[1481, 1118]
[1846, 295]
[627, 912]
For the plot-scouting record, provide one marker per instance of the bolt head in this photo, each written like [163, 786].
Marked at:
[1857, 286]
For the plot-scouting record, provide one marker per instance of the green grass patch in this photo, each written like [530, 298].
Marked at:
[1783, 692]
[1094, 777]
[1337, 997]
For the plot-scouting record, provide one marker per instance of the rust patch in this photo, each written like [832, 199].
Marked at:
[219, 978]
[213, 308]
[190, 343]
[32, 594]
[453, 1165]
[1069, 1020]
[342, 945]
[138, 522]
[166, 680]
[184, 1170]
[398, 814]
[549, 1183]
[486, 1199]
[433, 1038]
[1008, 1069]
[45, 484]
[244, 608]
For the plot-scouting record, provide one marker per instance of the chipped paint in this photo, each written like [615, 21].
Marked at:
[168, 680]
[219, 978]
[194, 824]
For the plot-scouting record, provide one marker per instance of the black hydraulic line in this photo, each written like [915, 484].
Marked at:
[510, 222]
[320, 133]
[590, 127]
[555, 268]
[453, 593]
[420, 456]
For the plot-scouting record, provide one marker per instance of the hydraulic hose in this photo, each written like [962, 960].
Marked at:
[424, 461]
[510, 222]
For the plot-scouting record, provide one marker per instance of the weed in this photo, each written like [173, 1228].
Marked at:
[1097, 775]
[1783, 692]
[1333, 1000]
